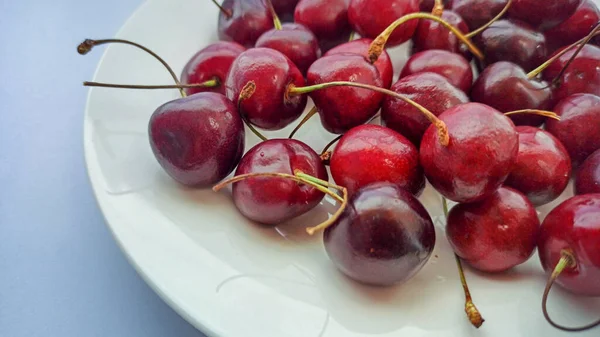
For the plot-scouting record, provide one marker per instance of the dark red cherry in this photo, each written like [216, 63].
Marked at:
[582, 75]
[542, 15]
[513, 41]
[273, 200]
[244, 21]
[371, 17]
[295, 41]
[285, 9]
[370, 154]
[482, 150]
[543, 166]
[574, 227]
[384, 236]
[477, 13]
[432, 35]
[269, 107]
[430, 90]
[212, 62]
[327, 19]
[579, 126]
[587, 179]
[496, 233]
[199, 139]
[361, 47]
[505, 87]
[427, 5]
[576, 27]
[342, 108]
[452, 66]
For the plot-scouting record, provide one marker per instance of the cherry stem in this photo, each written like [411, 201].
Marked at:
[588, 38]
[487, 25]
[567, 260]
[330, 144]
[306, 118]
[227, 13]
[208, 84]
[247, 92]
[438, 8]
[87, 45]
[544, 113]
[472, 312]
[352, 34]
[276, 21]
[444, 138]
[378, 44]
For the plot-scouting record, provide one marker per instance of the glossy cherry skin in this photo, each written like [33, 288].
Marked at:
[579, 126]
[496, 233]
[269, 107]
[327, 19]
[285, 9]
[370, 154]
[505, 87]
[384, 236]
[452, 66]
[543, 166]
[342, 108]
[212, 62]
[271, 201]
[574, 226]
[542, 15]
[513, 41]
[482, 151]
[295, 41]
[582, 75]
[587, 179]
[248, 21]
[576, 27]
[371, 17]
[361, 47]
[198, 140]
[432, 35]
[432, 91]
[477, 13]
[427, 5]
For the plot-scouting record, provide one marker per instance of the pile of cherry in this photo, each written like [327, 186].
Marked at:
[499, 144]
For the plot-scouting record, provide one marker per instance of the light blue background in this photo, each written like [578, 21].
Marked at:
[61, 273]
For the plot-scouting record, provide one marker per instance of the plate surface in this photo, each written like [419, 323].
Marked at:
[230, 277]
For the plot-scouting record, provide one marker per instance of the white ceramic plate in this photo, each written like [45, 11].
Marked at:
[232, 278]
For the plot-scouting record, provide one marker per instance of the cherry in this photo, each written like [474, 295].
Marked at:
[543, 166]
[430, 90]
[285, 9]
[361, 47]
[327, 19]
[550, 14]
[271, 72]
[513, 41]
[384, 236]
[455, 68]
[482, 149]
[370, 154]
[477, 13]
[506, 87]
[587, 179]
[579, 126]
[243, 21]
[371, 17]
[496, 233]
[273, 200]
[432, 35]
[210, 63]
[576, 27]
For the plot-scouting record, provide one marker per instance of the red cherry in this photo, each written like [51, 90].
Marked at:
[384, 236]
[244, 21]
[430, 90]
[327, 19]
[432, 35]
[579, 126]
[269, 107]
[371, 17]
[576, 27]
[450, 65]
[482, 150]
[295, 41]
[544, 15]
[272, 200]
[370, 154]
[496, 233]
[477, 13]
[212, 62]
[587, 179]
[543, 166]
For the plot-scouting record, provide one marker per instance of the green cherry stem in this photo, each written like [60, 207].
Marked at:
[306, 118]
[544, 113]
[208, 84]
